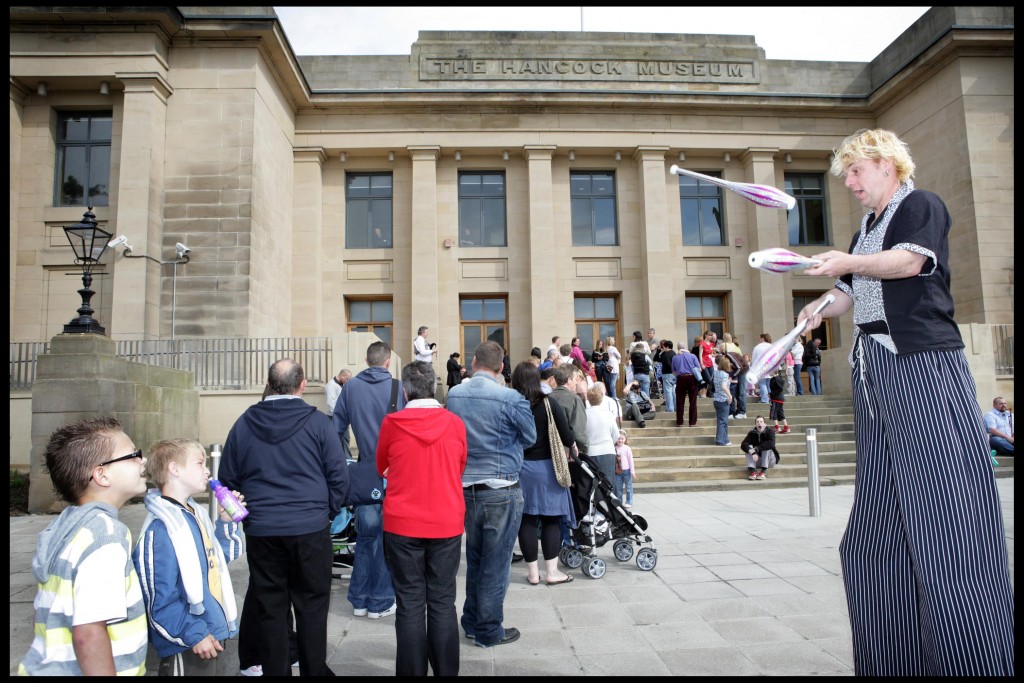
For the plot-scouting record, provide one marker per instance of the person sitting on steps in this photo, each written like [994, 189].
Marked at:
[638, 405]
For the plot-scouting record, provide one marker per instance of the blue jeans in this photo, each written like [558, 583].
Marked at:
[762, 385]
[796, 378]
[814, 379]
[722, 424]
[624, 481]
[426, 625]
[493, 517]
[668, 383]
[1000, 445]
[645, 382]
[370, 586]
[611, 380]
[739, 398]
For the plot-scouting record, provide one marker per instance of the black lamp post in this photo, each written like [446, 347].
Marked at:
[88, 242]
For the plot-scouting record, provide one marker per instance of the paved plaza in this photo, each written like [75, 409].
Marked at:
[746, 583]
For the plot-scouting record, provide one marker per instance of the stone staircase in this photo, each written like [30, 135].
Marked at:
[670, 458]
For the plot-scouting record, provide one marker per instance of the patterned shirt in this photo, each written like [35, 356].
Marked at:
[92, 580]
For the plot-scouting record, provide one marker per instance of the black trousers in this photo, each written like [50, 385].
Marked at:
[426, 625]
[291, 572]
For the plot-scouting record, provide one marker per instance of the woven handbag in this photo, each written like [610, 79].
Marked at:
[559, 459]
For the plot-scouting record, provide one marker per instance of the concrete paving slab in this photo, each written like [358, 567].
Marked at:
[733, 593]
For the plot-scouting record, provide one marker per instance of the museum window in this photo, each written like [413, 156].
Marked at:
[482, 209]
[822, 331]
[482, 319]
[700, 205]
[371, 315]
[705, 312]
[82, 174]
[368, 199]
[592, 195]
[807, 221]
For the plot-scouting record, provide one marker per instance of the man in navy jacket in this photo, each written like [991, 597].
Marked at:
[285, 458]
[363, 405]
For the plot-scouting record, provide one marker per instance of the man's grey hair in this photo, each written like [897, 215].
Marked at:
[377, 354]
[423, 328]
[285, 377]
[563, 373]
[553, 353]
[419, 380]
[489, 356]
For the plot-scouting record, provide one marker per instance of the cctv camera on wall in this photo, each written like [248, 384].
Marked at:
[182, 250]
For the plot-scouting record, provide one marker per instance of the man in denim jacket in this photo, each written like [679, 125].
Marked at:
[499, 425]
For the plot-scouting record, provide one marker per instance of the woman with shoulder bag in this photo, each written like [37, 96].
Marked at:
[545, 501]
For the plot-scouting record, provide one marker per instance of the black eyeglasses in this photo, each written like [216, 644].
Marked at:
[130, 456]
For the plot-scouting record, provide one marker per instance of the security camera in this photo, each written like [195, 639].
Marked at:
[118, 242]
[181, 250]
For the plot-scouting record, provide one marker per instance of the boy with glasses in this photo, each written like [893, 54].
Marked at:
[90, 618]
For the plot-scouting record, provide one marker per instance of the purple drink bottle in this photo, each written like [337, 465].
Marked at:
[227, 500]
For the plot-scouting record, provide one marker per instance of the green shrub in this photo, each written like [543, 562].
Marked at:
[19, 493]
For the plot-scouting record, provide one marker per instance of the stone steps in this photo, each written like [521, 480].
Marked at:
[670, 458]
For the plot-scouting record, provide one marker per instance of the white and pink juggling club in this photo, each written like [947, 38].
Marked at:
[762, 195]
[776, 260]
[774, 355]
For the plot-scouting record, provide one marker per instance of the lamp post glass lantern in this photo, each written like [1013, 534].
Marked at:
[88, 242]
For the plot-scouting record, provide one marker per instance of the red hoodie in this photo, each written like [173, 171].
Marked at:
[423, 451]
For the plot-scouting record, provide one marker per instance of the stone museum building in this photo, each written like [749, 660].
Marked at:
[490, 185]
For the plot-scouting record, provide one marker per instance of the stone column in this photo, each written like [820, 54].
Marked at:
[140, 189]
[424, 247]
[19, 95]
[545, 315]
[307, 248]
[658, 297]
[770, 295]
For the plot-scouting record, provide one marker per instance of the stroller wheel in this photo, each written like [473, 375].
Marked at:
[573, 558]
[623, 550]
[647, 559]
[594, 568]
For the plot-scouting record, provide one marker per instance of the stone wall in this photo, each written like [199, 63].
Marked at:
[81, 378]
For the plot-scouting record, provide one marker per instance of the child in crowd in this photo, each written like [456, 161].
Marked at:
[777, 396]
[625, 473]
[183, 561]
[90, 619]
[751, 389]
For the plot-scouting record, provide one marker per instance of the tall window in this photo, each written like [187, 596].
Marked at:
[368, 198]
[482, 210]
[700, 205]
[593, 209]
[704, 312]
[83, 159]
[371, 315]
[596, 318]
[483, 320]
[807, 222]
[822, 331]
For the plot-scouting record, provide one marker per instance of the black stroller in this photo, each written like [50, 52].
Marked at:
[343, 543]
[601, 519]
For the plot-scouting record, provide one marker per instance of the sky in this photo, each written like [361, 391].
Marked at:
[842, 34]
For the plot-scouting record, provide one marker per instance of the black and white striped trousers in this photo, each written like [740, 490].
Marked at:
[924, 556]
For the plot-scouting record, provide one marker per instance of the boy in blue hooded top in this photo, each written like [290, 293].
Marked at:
[182, 563]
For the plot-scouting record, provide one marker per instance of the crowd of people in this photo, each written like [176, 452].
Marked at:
[499, 460]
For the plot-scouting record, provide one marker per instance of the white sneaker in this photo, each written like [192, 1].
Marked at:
[255, 670]
[386, 613]
[359, 612]
[741, 416]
